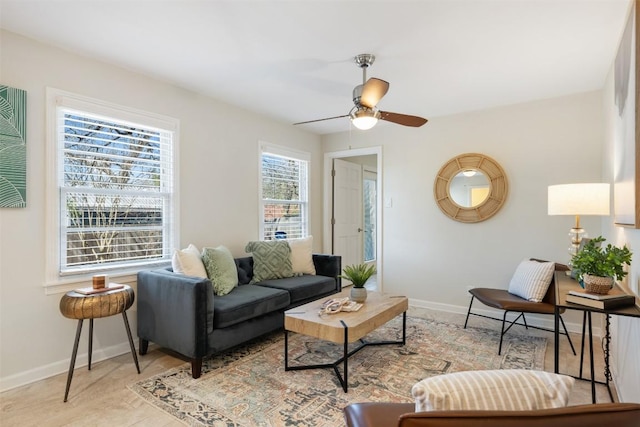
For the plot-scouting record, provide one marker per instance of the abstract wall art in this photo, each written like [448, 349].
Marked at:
[13, 147]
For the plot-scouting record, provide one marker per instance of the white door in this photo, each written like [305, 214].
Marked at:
[347, 211]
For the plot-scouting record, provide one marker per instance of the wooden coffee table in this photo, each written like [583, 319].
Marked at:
[344, 327]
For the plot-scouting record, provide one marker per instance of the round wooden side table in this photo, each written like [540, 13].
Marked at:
[75, 305]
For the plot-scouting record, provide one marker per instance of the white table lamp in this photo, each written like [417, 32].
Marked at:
[578, 199]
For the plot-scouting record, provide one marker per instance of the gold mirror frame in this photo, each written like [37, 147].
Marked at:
[498, 188]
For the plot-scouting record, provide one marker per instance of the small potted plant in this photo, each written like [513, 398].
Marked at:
[358, 274]
[597, 267]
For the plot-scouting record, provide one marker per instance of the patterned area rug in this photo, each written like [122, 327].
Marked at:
[248, 386]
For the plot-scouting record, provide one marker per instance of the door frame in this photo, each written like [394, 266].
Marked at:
[328, 200]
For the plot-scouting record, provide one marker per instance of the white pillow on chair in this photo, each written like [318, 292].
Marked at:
[493, 390]
[531, 280]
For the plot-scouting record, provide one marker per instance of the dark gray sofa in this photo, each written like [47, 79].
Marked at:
[182, 314]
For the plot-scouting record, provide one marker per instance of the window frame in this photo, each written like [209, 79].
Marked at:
[289, 153]
[55, 280]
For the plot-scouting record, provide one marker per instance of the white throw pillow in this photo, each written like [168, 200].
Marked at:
[493, 390]
[531, 280]
[188, 262]
[302, 255]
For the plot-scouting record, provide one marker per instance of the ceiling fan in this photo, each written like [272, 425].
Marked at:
[364, 114]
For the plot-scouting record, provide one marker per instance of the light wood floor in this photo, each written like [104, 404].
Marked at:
[100, 397]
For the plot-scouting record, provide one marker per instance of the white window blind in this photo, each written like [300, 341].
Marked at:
[115, 192]
[284, 189]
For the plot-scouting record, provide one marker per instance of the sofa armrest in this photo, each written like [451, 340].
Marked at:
[174, 311]
[329, 265]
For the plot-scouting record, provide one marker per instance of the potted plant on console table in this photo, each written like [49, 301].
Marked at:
[358, 274]
[597, 267]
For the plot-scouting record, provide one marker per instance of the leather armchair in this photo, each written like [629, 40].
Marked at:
[403, 415]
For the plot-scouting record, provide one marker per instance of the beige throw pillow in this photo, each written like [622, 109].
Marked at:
[531, 280]
[302, 256]
[188, 262]
[493, 390]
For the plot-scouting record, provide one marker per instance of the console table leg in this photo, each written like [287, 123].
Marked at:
[72, 364]
[133, 350]
[556, 340]
[90, 341]
[593, 372]
[584, 325]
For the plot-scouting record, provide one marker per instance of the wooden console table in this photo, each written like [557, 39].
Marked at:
[564, 284]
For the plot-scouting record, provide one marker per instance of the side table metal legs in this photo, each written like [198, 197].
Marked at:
[133, 350]
[73, 359]
[72, 364]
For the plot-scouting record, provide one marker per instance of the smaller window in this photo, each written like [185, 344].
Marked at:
[284, 189]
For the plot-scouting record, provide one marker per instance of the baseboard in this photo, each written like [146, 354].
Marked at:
[540, 321]
[62, 366]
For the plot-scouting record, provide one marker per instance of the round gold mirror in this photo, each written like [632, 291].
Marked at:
[470, 188]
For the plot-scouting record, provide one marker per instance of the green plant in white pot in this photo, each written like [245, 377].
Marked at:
[358, 274]
[597, 267]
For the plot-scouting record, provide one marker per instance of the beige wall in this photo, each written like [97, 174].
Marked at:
[430, 257]
[433, 259]
[625, 331]
[218, 195]
[427, 256]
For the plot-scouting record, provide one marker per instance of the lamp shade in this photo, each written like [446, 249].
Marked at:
[579, 199]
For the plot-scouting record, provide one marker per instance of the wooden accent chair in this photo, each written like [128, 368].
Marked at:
[503, 300]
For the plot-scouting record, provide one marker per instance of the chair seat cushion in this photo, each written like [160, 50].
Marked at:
[246, 302]
[502, 299]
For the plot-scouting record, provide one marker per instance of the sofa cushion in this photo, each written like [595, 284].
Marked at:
[188, 262]
[221, 269]
[302, 256]
[271, 260]
[246, 302]
[531, 280]
[304, 287]
[501, 390]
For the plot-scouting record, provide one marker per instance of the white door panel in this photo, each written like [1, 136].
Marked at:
[347, 211]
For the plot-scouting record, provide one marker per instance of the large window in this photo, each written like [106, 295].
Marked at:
[114, 175]
[284, 187]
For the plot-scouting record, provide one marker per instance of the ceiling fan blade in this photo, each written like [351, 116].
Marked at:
[320, 120]
[402, 119]
[373, 91]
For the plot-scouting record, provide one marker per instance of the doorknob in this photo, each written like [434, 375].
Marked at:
[360, 230]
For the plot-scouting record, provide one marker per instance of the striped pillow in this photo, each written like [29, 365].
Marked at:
[497, 390]
[531, 280]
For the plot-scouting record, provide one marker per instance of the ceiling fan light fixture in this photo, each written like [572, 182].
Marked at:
[364, 118]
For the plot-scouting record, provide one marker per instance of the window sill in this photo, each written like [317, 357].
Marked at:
[66, 284]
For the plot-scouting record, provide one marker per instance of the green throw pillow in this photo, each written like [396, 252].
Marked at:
[271, 260]
[221, 269]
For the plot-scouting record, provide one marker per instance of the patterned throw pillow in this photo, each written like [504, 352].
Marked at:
[493, 390]
[271, 260]
[221, 269]
[531, 280]
[302, 256]
[188, 262]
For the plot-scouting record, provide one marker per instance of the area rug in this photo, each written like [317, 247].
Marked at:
[248, 386]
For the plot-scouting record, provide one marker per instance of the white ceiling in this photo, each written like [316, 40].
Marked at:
[292, 60]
